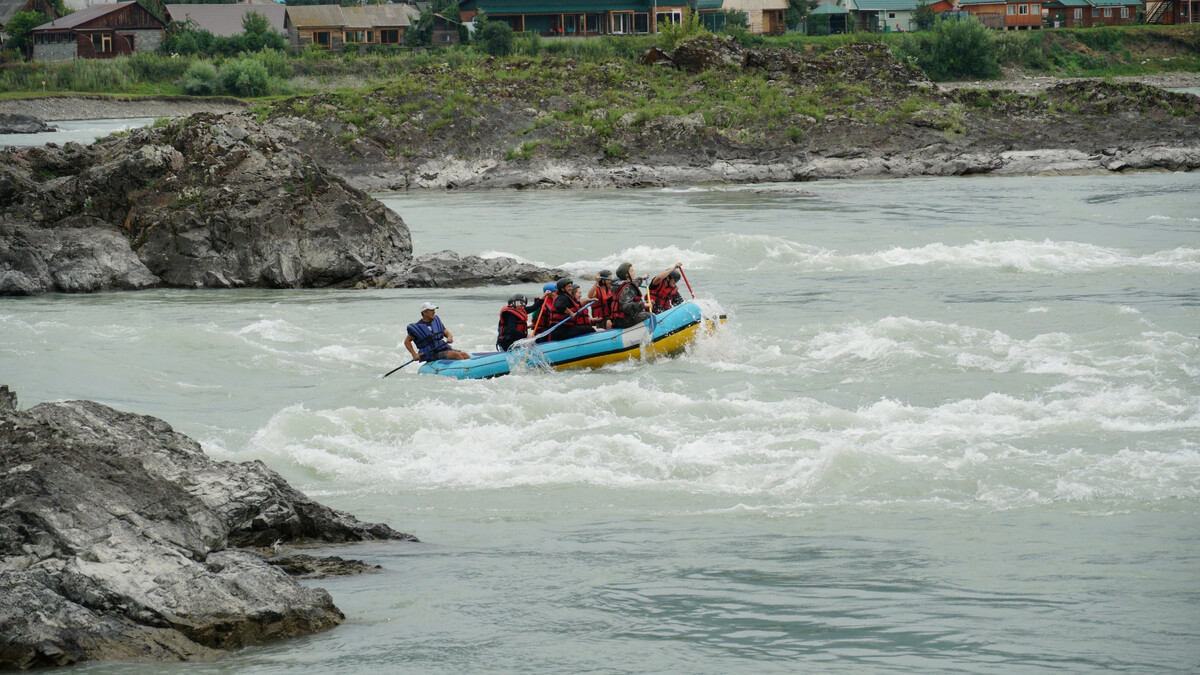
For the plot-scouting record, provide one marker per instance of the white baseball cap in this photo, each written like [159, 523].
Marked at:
[428, 306]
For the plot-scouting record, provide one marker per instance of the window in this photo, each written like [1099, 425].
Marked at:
[1124, 12]
[1035, 9]
[1022, 9]
[675, 17]
[321, 38]
[1108, 12]
[389, 36]
[1095, 12]
[102, 42]
[1012, 10]
[622, 22]
[1079, 13]
[641, 22]
[891, 15]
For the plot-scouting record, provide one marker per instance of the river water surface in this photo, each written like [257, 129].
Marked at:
[951, 425]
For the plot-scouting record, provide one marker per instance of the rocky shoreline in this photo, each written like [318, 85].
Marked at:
[121, 540]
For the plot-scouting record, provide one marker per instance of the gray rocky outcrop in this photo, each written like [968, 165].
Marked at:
[14, 123]
[119, 540]
[209, 201]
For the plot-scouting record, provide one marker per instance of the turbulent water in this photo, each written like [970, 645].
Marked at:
[78, 131]
[951, 425]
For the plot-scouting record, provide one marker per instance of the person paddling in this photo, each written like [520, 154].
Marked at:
[664, 289]
[568, 310]
[514, 322]
[627, 307]
[428, 339]
[602, 293]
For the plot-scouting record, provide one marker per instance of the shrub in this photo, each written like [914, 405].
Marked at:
[495, 38]
[954, 49]
[201, 79]
[245, 77]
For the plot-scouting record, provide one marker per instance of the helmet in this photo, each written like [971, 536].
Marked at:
[516, 298]
[548, 287]
[675, 275]
[623, 270]
[605, 274]
[563, 283]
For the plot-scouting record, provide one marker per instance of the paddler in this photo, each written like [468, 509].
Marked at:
[664, 289]
[628, 307]
[514, 322]
[568, 311]
[428, 339]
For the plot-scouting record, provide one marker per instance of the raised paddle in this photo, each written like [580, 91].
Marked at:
[551, 329]
[395, 369]
[689, 285]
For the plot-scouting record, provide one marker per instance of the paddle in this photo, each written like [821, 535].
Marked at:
[551, 329]
[689, 284]
[395, 369]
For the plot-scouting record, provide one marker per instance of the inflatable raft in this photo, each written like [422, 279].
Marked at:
[663, 334]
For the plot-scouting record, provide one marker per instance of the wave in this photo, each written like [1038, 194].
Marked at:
[763, 252]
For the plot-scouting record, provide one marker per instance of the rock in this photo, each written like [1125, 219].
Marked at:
[304, 566]
[435, 269]
[22, 124]
[117, 536]
[8, 398]
[708, 52]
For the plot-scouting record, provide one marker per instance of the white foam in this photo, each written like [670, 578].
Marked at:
[645, 260]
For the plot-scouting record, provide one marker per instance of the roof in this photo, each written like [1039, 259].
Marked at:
[496, 7]
[880, 5]
[226, 20]
[963, 3]
[748, 5]
[83, 16]
[10, 7]
[357, 18]
[828, 8]
[1066, 3]
[703, 5]
[1115, 3]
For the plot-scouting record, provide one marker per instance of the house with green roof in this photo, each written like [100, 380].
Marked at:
[1114, 12]
[1005, 14]
[882, 16]
[577, 18]
[828, 18]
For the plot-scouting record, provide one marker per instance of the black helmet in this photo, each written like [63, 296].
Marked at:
[623, 270]
[675, 275]
[563, 283]
[605, 274]
[516, 298]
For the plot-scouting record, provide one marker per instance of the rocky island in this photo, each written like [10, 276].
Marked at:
[120, 539]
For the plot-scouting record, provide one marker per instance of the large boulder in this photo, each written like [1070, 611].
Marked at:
[11, 123]
[118, 536]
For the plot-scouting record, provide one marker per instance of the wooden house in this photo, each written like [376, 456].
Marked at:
[445, 32]
[98, 32]
[226, 20]
[333, 27]
[1173, 12]
[1005, 14]
[828, 19]
[577, 18]
[882, 16]
[1068, 13]
[766, 16]
[1114, 12]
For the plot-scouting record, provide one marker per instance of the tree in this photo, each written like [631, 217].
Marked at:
[798, 9]
[735, 19]
[18, 31]
[254, 23]
[923, 17]
[495, 38]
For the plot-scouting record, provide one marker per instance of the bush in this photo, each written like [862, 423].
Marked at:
[954, 49]
[245, 77]
[495, 38]
[201, 79]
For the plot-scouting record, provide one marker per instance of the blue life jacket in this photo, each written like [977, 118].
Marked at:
[430, 338]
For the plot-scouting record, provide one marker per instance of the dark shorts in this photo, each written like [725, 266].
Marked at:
[436, 357]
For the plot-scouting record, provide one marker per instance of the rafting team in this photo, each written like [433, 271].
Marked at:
[612, 303]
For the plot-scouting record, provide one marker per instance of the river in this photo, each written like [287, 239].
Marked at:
[951, 425]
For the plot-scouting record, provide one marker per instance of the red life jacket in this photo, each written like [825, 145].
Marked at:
[522, 321]
[542, 321]
[556, 315]
[605, 299]
[662, 296]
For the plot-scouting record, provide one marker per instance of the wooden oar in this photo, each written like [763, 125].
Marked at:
[689, 285]
[395, 369]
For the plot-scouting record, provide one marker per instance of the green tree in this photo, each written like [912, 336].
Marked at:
[254, 23]
[495, 38]
[798, 9]
[736, 19]
[923, 17]
[18, 31]
[689, 27]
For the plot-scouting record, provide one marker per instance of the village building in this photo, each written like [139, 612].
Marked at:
[1088, 13]
[226, 20]
[828, 18]
[882, 16]
[1115, 12]
[98, 32]
[577, 18]
[334, 27]
[1173, 12]
[1005, 14]
[767, 17]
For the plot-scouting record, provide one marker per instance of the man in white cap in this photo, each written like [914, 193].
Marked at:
[428, 339]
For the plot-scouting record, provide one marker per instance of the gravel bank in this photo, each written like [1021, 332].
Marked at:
[1027, 84]
[61, 108]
